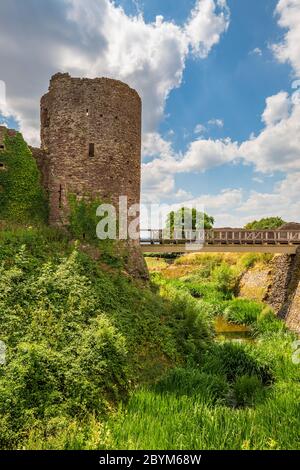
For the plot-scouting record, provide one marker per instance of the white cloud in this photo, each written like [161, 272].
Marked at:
[283, 202]
[204, 154]
[208, 20]
[277, 108]
[234, 208]
[288, 50]
[277, 147]
[200, 129]
[256, 51]
[257, 179]
[157, 186]
[153, 145]
[93, 38]
[183, 195]
[216, 122]
[159, 174]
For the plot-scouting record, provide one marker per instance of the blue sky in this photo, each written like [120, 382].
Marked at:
[220, 125]
[231, 84]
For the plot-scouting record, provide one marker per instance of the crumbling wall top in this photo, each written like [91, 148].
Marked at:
[64, 78]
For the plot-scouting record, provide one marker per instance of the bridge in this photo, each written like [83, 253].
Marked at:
[220, 240]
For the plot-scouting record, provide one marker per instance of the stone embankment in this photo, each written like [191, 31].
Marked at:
[278, 284]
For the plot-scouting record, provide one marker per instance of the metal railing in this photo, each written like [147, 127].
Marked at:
[221, 236]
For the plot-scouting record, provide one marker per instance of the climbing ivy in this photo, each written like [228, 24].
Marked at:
[22, 199]
[83, 219]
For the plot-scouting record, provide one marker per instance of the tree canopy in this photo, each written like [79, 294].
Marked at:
[268, 223]
[186, 218]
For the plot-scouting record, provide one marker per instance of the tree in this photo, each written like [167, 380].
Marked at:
[186, 218]
[268, 223]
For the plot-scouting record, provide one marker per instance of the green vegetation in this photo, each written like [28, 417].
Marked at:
[21, 196]
[83, 219]
[268, 223]
[80, 338]
[186, 217]
[97, 360]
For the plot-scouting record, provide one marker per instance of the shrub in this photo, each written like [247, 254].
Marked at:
[98, 375]
[225, 278]
[248, 260]
[78, 337]
[267, 223]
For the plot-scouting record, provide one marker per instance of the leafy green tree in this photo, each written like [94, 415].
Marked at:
[188, 218]
[268, 223]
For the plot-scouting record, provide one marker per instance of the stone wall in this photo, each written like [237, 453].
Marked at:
[277, 284]
[293, 314]
[91, 132]
[91, 147]
[282, 267]
[255, 282]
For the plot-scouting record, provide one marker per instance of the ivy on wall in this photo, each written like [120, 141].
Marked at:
[22, 197]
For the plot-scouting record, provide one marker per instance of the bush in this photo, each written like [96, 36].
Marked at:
[99, 374]
[225, 277]
[267, 223]
[250, 259]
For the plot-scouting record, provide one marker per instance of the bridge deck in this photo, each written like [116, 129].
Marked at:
[220, 240]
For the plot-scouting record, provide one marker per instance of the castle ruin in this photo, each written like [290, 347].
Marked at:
[90, 147]
[90, 142]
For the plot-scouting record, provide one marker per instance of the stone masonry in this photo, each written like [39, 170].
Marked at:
[90, 142]
[278, 284]
[90, 148]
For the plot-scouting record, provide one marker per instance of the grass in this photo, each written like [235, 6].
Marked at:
[111, 363]
[79, 337]
[162, 420]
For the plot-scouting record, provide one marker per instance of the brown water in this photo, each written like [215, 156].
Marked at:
[231, 331]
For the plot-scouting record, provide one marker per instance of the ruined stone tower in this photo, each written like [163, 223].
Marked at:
[91, 138]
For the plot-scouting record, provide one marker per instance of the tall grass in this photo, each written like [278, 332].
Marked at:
[154, 420]
[90, 336]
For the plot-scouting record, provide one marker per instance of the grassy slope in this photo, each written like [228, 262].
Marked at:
[80, 334]
[96, 360]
